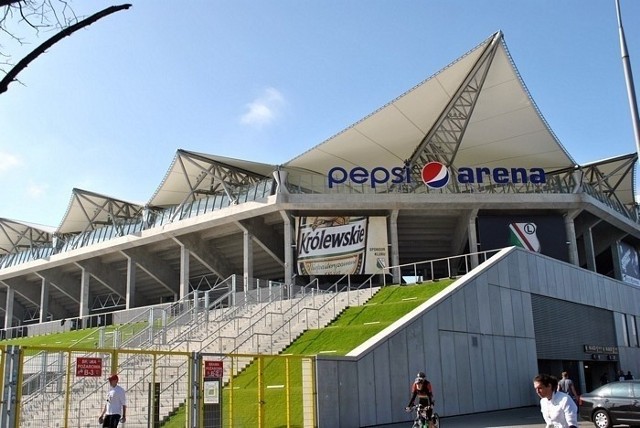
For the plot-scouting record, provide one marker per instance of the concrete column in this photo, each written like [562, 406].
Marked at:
[394, 247]
[44, 299]
[184, 271]
[248, 260]
[615, 255]
[472, 232]
[589, 250]
[8, 308]
[131, 283]
[288, 248]
[85, 280]
[572, 245]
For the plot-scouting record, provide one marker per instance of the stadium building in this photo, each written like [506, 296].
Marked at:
[463, 163]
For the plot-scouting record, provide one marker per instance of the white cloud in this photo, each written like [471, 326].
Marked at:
[264, 109]
[8, 161]
[35, 190]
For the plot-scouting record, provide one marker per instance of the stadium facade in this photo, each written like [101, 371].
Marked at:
[463, 162]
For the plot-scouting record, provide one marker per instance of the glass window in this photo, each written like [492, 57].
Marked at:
[620, 389]
[631, 328]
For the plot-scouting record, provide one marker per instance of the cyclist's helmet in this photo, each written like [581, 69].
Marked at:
[420, 377]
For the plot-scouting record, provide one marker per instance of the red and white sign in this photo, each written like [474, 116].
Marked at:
[91, 367]
[213, 369]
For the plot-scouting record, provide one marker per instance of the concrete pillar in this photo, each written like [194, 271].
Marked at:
[8, 308]
[44, 299]
[472, 232]
[589, 249]
[184, 271]
[288, 248]
[572, 245]
[131, 283]
[85, 280]
[247, 260]
[394, 247]
[615, 255]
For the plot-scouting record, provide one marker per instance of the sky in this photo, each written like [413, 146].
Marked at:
[106, 109]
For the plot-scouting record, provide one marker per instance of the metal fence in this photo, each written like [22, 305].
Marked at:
[49, 387]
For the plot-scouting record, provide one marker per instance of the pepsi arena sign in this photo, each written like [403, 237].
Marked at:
[435, 175]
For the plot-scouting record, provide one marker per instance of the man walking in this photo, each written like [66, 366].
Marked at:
[115, 409]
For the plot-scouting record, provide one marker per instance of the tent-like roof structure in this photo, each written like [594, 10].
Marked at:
[614, 176]
[88, 210]
[474, 112]
[192, 176]
[16, 236]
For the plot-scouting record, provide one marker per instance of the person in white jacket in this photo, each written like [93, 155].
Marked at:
[558, 409]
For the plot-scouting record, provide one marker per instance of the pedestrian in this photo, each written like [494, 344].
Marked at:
[566, 385]
[604, 379]
[558, 409]
[628, 376]
[620, 375]
[115, 409]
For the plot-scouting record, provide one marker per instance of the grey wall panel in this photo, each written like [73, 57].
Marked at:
[450, 393]
[349, 413]
[534, 281]
[514, 369]
[415, 347]
[500, 352]
[618, 320]
[507, 311]
[471, 304]
[484, 305]
[366, 389]
[477, 379]
[503, 271]
[514, 272]
[497, 318]
[459, 311]
[518, 313]
[489, 371]
[463, 372]
[383, 403]
[493, 275]
[433, 364]
[445, 315]
[399, 375]
[329, 392]
[527, 313]
[523, 271]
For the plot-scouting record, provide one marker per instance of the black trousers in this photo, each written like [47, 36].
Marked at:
[111, 421]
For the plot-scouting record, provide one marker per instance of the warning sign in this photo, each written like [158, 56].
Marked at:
[213, 369]
[91, 367]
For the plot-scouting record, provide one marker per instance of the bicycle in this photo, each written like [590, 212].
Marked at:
[421, 419]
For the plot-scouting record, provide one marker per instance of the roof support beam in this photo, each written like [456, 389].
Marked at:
[210, 256]
[264, 236]
[62, 282]
[155, 268]
[443, 140]
[32, 293]
[107, 276]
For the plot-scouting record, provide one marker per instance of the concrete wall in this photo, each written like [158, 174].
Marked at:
[475, 340]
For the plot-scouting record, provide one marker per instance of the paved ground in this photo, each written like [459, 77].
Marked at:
[526, 417]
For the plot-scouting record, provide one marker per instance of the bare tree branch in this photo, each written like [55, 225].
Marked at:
[24, 62]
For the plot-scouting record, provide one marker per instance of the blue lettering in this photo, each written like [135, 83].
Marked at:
[537, 175]
[374, 176]
[465, 175]
[359, 175]
[336, 180]
[480, 172]
[523, 175]
[500, 176]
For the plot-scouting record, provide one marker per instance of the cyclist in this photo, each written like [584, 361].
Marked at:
[421, 388]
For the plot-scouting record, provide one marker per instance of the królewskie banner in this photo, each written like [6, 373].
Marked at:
[343, 245]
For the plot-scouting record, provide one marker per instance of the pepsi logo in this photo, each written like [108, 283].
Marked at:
[435, 175]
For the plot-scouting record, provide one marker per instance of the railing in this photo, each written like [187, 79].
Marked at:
[448, 267]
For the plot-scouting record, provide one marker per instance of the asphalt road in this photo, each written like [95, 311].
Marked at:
[525, 417]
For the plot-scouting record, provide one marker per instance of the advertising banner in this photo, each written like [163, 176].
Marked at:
[629, 265]
[345, 245]
[539, 233]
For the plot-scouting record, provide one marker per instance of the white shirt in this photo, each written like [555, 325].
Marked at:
[115, 400]
[559, 412]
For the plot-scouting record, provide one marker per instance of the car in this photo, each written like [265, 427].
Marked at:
[616, 403]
